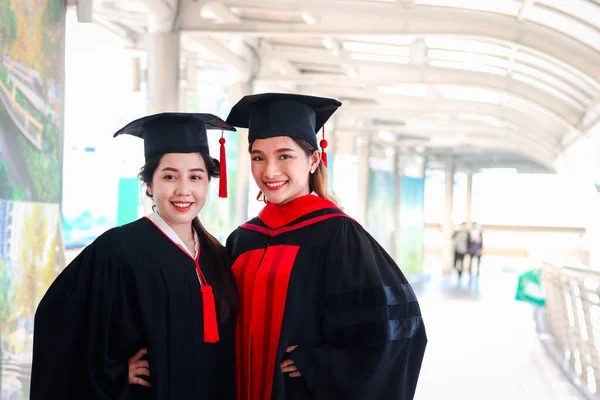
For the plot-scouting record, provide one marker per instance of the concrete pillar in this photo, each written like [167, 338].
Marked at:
[469, 218]
[448, 228]
[236, 92]
[163, 72]
[423, 172]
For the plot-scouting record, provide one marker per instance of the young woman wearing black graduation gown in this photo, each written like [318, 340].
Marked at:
[161, 283]
[325, 313]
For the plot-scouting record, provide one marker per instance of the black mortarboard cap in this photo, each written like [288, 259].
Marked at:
[174, 132]
[282, 114]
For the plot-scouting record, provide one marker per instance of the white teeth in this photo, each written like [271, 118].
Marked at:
[182, 205]
[273, 185]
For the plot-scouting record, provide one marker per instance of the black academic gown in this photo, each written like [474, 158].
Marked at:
[308, 275]
[131, 288]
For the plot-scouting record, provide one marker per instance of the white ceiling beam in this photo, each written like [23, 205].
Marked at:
[162, 8]
[418, 52]
[526, 6]
[466, 149]
[455, 135]
[220, 12]
[132, 18]
[382, 75]
[415, 109]
[285, 68]
[275, 65]
[590, 118]
[349, 20]
[114, 29]
[224, 53]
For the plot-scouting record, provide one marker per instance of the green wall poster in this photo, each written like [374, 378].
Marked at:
[32, 34]
[31, 99]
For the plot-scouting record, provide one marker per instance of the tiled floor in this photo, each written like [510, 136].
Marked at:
[482, 343]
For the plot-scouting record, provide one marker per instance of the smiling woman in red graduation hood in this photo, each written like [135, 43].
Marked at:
[325, 313]
[161, 284]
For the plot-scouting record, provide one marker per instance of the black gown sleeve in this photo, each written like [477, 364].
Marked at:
[373, 336]
[86, 328]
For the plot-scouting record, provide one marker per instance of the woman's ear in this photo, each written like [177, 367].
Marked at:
[149, 189]
[315, 159]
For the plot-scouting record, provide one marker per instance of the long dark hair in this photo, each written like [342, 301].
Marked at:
[317, 182]
[218, 265]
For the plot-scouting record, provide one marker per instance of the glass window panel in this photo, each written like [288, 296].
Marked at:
[564, 23]
[468, 67]
[468, 58]
[559, 68]
[549, 89]
[474, 46]
[374, 48]
[509, 7]
[583, 9]
[553, 81]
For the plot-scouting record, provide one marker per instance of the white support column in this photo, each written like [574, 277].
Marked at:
[448, 229]
[236, 92]
[469, 199]
[163, 72]
[425, 161]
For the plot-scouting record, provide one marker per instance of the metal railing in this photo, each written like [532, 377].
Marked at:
[572, 318]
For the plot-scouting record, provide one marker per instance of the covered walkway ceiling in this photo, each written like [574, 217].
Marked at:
[495, 83]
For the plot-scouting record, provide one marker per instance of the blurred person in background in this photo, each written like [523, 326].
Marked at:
[476, 246]
[462, 243]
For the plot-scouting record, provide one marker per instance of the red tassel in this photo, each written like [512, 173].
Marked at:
[211, 329]
[223, 170]
[323, 145]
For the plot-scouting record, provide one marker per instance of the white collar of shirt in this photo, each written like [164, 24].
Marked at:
[170, 233]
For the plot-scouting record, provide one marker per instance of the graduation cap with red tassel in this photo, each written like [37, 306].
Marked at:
[284, 114]
[175, 132]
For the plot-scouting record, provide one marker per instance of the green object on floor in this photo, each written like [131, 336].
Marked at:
[529, 287]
